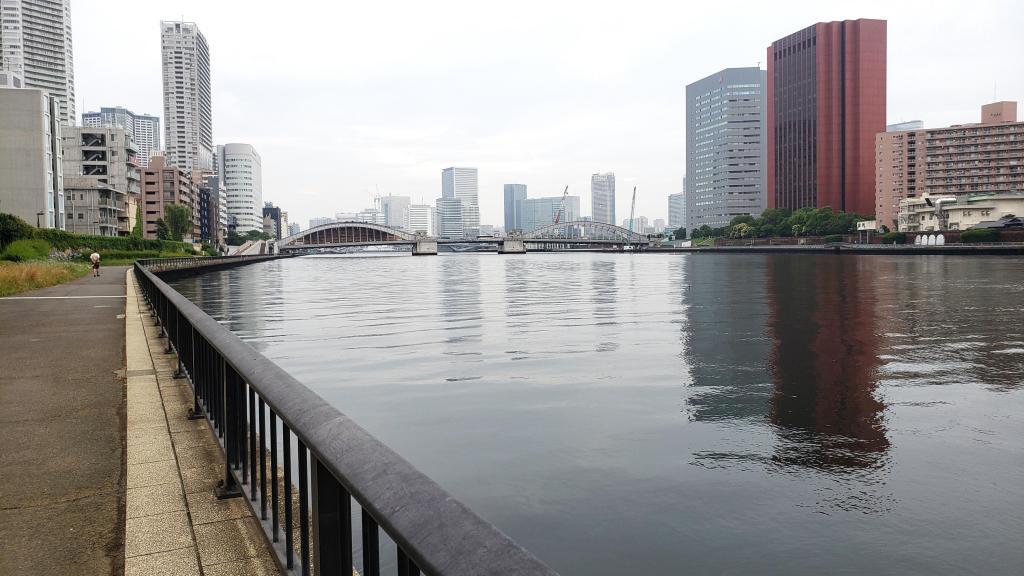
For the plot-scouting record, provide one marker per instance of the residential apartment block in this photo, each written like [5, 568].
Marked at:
[101, 180]
[36, 50]
[188, 112]
[31, 158]
[143, 129]
[164, 184]
[982, 158]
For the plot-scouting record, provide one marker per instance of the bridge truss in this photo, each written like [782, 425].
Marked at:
[585, 232]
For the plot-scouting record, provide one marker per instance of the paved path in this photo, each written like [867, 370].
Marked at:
[62, 428]
[175, 525]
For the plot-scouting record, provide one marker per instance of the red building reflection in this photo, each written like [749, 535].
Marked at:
[824, 362]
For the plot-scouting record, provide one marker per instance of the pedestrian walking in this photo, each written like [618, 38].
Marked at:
[95, 258]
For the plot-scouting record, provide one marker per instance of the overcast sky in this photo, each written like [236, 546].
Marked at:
[344, 99]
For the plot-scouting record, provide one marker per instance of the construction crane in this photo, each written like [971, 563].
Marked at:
[561, 208]
[632, 210]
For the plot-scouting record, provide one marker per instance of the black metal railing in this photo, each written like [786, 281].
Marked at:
[240, 392]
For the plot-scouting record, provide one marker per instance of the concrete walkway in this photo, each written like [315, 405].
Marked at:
[62, 428]
[175, 525]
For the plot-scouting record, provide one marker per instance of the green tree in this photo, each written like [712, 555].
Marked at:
[162, 232]
[179, 221]
[137, 230]
[740, 230]
[679, 234]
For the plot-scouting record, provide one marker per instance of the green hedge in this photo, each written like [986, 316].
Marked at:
[894, 238]
[979, 235]
[22, 250]
[833, 238]
[62, 240]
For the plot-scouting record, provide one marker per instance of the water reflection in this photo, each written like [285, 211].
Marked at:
[824, 363]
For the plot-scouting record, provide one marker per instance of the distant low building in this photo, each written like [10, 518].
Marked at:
[321, 220]
[937, 213]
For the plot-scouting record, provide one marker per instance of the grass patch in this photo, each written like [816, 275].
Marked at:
[18, 277]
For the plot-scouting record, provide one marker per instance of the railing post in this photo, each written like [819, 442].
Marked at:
[198, 375]
[228, 488]
[332, 523]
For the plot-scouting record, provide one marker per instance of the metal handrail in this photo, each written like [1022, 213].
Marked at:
[237, 389]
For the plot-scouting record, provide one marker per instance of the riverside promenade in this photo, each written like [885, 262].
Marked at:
[100, 470]
[62, 428]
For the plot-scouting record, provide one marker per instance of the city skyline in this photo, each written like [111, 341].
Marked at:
[393, 133]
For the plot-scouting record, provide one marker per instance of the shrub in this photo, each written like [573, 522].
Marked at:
[979, 235]
[62, 240]
[894, 238]
[833, 238]
[24, 250]
[13, 228]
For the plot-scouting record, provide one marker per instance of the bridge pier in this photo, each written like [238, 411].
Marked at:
[512, 244]
[424, 246]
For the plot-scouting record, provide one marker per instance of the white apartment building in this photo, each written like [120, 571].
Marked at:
[461, 184]
[31, 172]
[143, 129]
[421, 219]
[36, 50]
[240, 170]
[602, 197]
[188, 114]
[934, 213]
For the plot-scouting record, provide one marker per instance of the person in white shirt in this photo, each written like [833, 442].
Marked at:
[95, 258]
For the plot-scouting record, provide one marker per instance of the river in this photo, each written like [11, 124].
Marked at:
[678, 414]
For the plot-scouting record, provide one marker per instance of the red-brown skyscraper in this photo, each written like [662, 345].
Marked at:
[826, 102]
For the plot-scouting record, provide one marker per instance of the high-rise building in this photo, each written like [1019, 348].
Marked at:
[101, 180]
[370, 216]
[320, 221]
[538, 212]
[639, 224]
[659, 225]
[294, 229]
[36, 51]
[31, 171]
[188, 112]
[602, 197]
[461, 184]
[396, 211]
[448, 218]
[240, 170]
[725, 147]
[164, 184]
[421, 218]
[274, 214]
[212, 224]
[676, 211]
[143, 129]
[967, 159]
[826, 103]
[514, 193]
[901, 126]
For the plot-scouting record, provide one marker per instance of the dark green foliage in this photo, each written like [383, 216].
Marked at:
[979, 235]
[783, 222]
[884, 229]
[236, 239]
[62, 240]
[162, 231]
[23, 250]
[13, 228]
[833, 238]
[680, 234]
[178, 219]
[137, 231]
[894, 238]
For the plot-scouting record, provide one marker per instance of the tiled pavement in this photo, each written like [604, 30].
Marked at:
[174, 523]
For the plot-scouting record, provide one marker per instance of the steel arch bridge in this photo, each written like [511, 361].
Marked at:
[346, 234]
[585, 232]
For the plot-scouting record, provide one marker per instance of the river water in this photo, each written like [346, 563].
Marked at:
[679, 414]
